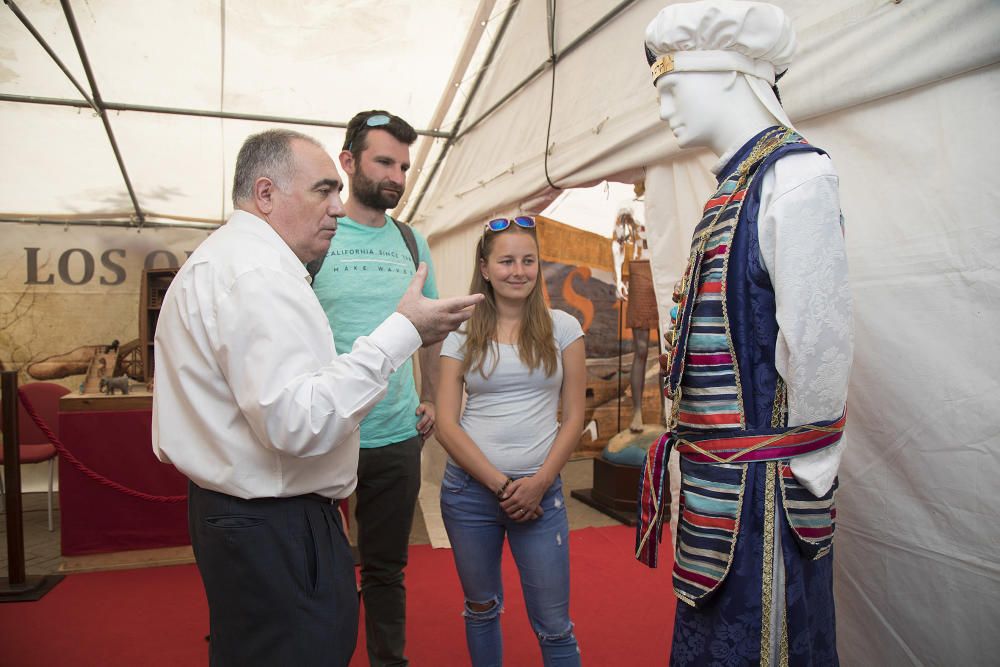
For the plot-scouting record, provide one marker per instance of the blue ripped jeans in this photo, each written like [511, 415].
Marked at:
[476, 527]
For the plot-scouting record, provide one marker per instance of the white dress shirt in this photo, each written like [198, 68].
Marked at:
[250, 396]
[802, 247]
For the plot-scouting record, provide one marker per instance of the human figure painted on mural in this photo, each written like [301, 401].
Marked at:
[634, 284]
[761, 352]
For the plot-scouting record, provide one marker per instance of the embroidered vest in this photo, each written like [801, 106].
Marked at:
[729, 403]
[722, 373]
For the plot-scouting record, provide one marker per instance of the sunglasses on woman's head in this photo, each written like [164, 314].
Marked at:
[500, 224]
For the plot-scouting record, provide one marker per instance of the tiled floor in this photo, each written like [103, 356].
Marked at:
[42, 552]
[41, 548]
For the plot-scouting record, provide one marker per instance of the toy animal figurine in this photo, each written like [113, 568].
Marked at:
[108, 385]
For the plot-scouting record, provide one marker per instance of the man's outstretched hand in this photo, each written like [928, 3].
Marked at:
[434, 318]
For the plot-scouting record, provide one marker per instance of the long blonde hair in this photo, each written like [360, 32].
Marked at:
[535, 341]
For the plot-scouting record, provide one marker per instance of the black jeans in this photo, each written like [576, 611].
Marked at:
[388, 484]
[279, 578]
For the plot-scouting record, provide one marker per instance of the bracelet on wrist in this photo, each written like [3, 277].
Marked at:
[504, 488]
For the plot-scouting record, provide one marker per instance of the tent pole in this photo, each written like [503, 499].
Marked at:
[465, 107]
[97, 222]
[78, 40]
[48, 49]
[205, 113]
[209, 113]
[54, 101]
[476, 30]
[460, 132]
[572, 46]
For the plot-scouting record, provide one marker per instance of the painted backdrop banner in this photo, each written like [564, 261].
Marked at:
[579, 279]
[63, 288]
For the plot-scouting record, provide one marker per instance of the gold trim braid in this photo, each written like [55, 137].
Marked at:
[783, 658]
[767, 568]
[779, 413]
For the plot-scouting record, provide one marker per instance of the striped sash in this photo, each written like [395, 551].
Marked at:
[762, 444]
[740, 447]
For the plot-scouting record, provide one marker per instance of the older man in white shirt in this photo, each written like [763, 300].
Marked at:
[254, 405]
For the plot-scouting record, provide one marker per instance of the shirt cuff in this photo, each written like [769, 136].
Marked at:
[397, 338]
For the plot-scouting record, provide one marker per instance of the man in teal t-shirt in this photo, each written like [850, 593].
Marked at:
[363, 277]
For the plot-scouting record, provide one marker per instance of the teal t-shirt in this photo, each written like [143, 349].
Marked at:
[364, 275]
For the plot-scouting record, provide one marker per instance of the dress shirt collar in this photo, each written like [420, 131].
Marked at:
[249, 223]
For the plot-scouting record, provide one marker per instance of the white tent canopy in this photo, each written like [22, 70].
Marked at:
[165, 72]
[903, 95]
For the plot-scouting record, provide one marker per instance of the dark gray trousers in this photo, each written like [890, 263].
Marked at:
[279, 578]
[388, 484]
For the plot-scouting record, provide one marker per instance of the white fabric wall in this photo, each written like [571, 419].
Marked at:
[904, 98]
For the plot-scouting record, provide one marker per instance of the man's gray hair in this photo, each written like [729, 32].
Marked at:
[267, 154]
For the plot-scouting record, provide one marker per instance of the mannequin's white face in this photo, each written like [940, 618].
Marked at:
[690, 102]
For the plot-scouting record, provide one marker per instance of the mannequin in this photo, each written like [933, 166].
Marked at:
[759, 354]
[631, 258]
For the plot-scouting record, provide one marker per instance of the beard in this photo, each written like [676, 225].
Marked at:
[380, 196]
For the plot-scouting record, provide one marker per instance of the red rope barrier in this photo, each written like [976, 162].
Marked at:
[79, 465]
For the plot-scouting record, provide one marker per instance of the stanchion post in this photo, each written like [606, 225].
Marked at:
[17, 586]
[12, 480]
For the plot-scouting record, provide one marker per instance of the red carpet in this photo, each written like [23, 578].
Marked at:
[158, 617]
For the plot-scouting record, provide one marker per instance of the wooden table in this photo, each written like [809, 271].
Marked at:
[111, 435]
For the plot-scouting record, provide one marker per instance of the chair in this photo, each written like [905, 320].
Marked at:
[34, 446]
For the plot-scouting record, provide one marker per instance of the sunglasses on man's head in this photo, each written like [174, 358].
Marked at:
[500, 224]
[377, 120]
